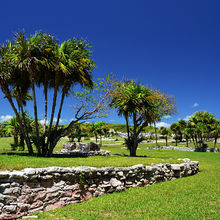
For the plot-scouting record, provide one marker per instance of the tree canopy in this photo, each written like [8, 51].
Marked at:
[39, 60]
[140, 105]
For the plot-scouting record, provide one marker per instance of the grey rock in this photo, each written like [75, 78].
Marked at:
[114, 182]
[175, 167]
[10, 208]
[4, 174]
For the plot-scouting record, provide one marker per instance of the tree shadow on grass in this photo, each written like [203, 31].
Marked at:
[53, 156]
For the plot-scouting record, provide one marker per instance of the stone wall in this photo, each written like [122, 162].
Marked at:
[192, 149]
[31, 190]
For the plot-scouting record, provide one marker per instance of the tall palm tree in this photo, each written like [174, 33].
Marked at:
[166, 133]
[74, 66]
[141, 105]
[30, 57]
[175, 127]
[215, 131]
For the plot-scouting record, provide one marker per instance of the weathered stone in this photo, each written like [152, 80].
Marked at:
[10, 208]
[1, 205]
[12, 191]
[114, 182]
[7, 199]
[52, 195]
[36, 204]
[66, 194]
[175, 167]
[23, 207]
[35, 195]
[4, 174]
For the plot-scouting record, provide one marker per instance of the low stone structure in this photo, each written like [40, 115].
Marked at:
[82, 149]
[31, 190]
[198, 149]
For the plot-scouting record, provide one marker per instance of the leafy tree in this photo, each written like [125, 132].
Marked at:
[215, 131]
[40, 61]
[175, 127]
[141, 105]
[99, 129]
[182, 126]
[77, 131]
[166, 132]
[201, 123]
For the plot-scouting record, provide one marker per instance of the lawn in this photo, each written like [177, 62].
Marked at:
[195, 197]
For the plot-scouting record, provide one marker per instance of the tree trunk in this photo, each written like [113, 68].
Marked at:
[60, 109]
[53, 109]
[35, 111]
[127, 126]
[215, 142]
[187, 144]
[45, 106]
[7, 94]
[28, 142]
[166, 141]
[155, 130]
[101, 140]
[22, 141]
[132, 152]
[176, 138]
[15, 134]
[196, 141]
[135, 137]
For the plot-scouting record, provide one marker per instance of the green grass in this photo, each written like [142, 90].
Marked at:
[183, 144]
[19, 160]
[195, 197]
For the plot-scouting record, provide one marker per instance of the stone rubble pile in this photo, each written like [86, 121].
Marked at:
[198, 149]
[82, 149]
[37, 189]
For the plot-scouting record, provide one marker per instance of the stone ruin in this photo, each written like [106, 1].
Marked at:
[82, 149]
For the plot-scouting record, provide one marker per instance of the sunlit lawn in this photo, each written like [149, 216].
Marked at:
[195, 197]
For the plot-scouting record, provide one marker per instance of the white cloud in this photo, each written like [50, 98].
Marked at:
[162, 124]
[42, 122]
[187, 117]
[195, 105]
[63, 120]
[166, 116]
[55, 120]
[5, 118]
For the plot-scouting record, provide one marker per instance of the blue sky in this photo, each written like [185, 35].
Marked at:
[171, 45]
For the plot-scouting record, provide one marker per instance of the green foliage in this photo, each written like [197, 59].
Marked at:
[198, 197]
[38, 60]
[202, 126]
[141, 105]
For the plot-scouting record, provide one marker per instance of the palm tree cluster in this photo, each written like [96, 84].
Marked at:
[140, 105]
[12, 128]
[39, 61]
[201, 127]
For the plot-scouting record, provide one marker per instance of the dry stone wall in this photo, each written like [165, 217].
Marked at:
[31, 190]
[197, 149]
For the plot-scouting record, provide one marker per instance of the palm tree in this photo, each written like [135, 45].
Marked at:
[175, 127]
[140, 104]
[30, 56]
[182, 124]
[73, 66]
[166, 133]
[215, 131]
